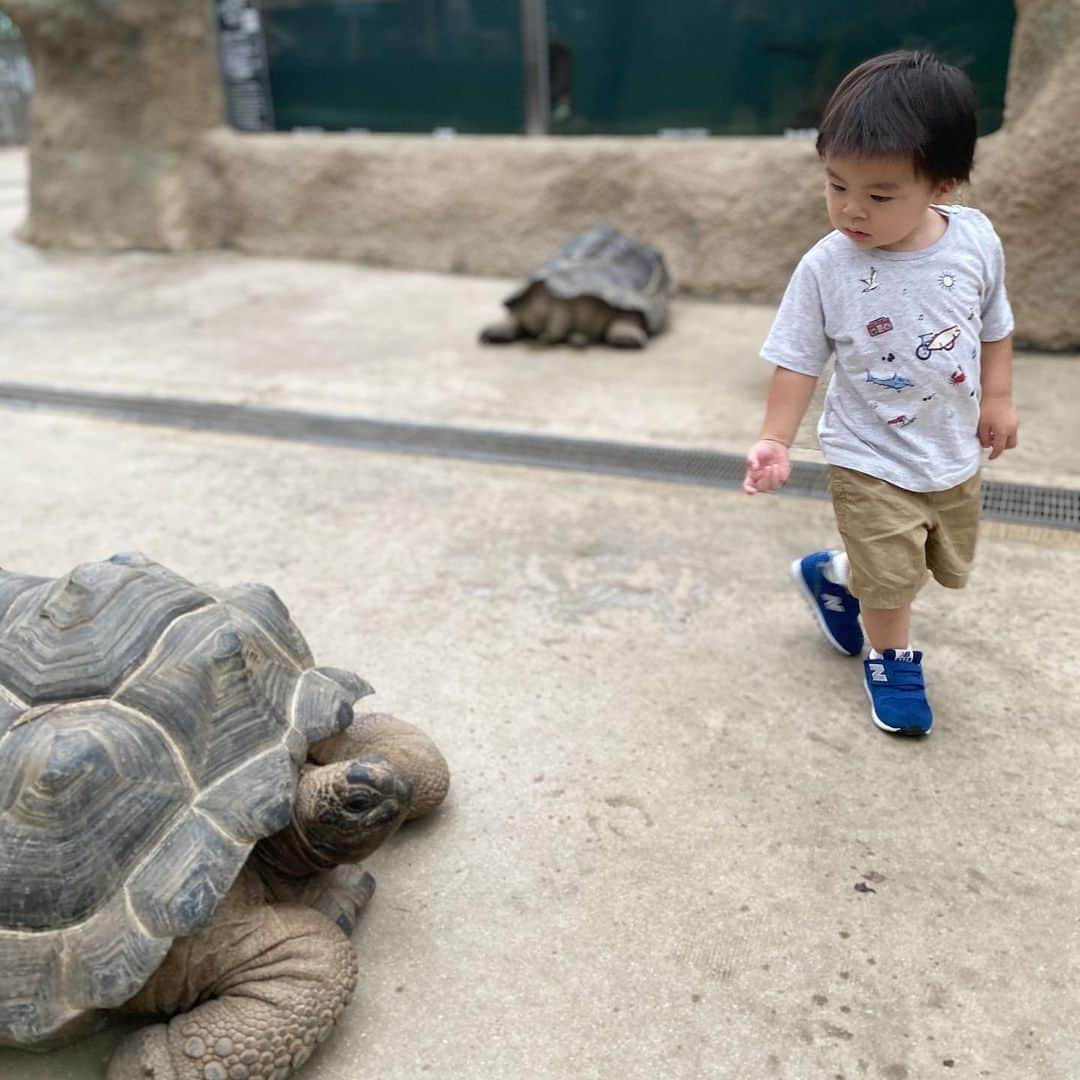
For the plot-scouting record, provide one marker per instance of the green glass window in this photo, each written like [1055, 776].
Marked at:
[396, 65]
[615, 66]
[750, 67]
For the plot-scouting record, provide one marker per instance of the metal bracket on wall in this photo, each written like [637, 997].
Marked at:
[534, 35]
[245, 67]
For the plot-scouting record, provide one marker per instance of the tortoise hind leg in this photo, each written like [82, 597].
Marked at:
[626, 332]
[277, 980]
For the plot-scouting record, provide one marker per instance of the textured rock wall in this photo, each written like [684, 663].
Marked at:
[128, 150]
[730, 215]
[1028, 175]
[124, 92]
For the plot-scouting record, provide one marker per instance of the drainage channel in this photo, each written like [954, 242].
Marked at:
[1052, 507]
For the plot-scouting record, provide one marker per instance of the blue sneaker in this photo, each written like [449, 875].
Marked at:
[835, 609]
[897, 693]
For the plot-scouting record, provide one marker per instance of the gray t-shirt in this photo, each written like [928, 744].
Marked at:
[905, 326]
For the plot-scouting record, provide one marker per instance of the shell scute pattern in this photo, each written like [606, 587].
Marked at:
[177, 889]
[324, 704]
[79, 636]
[217, 691]
[10, 711]
[618, 269]
[256, 800]
[113, 955]
[265, 609]
[125, 820]
[77, 811]
[31, 968]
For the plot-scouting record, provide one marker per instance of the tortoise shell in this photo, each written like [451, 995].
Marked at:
[151, 732]
[623, 272]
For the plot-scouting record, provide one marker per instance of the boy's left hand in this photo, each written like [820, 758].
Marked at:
[998, 425]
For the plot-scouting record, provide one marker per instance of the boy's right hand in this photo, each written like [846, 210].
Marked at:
[768, 466]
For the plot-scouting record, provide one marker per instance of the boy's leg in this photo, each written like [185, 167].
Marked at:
[888, 628]
[822, 579]
[885, 531]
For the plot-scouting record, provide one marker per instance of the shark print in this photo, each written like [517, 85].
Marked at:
[893, 382]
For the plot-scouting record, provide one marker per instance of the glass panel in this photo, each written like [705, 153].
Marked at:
[750, 66]
[396, 65]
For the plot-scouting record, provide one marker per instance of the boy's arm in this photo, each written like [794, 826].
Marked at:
[768, 464]
[998, 422]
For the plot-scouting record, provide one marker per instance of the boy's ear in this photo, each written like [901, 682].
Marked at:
[946, 189]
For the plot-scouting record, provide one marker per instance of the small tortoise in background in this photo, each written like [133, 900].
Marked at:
[601, 285]
[178, 783]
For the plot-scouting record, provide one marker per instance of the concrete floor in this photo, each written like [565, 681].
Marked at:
[675, 845]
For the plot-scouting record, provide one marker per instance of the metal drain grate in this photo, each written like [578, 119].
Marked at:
[1048, 506]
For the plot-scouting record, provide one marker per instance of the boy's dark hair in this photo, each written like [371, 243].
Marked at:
[907, 103]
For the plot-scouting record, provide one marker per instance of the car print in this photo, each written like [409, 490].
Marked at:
[942, 340]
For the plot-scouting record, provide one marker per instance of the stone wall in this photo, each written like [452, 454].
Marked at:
[1028, 176]
[16, 81]
[124, 95]
[128, 149]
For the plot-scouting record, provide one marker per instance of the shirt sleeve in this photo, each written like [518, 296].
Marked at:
[797, 339]
[997, 316]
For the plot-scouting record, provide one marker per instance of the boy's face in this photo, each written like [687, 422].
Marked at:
[880, 202]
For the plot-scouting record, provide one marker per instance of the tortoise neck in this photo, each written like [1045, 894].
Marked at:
[291, 854]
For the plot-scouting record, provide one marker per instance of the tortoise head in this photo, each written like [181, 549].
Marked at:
[344, 811]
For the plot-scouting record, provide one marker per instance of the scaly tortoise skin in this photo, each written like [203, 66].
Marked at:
[601, 285]
[178, 783]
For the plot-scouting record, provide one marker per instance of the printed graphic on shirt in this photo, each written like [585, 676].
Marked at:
[870, 283]
[947, 279]
[889, 416]
[893, 382]
[881, 325]
[888, 359]
[958, 376]
[936, 342]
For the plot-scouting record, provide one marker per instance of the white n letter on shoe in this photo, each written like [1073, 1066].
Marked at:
[877, 673]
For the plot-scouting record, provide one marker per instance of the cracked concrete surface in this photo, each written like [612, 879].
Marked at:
[675, 845]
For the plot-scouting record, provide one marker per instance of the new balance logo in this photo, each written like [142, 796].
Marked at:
[877, 673]
[833, 603]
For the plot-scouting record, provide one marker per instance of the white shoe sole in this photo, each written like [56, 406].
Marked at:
[885, 727]
[804, 589]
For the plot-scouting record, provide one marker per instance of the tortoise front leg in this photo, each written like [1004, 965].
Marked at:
[627, 332]
[340, 894]
[278, 978]
[502, 332]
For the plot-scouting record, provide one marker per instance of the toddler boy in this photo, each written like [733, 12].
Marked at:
[910, 296]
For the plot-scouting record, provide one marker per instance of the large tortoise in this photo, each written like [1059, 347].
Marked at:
[601, 285]
[178, 783]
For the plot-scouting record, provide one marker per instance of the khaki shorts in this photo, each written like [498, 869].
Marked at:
[893, 537]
